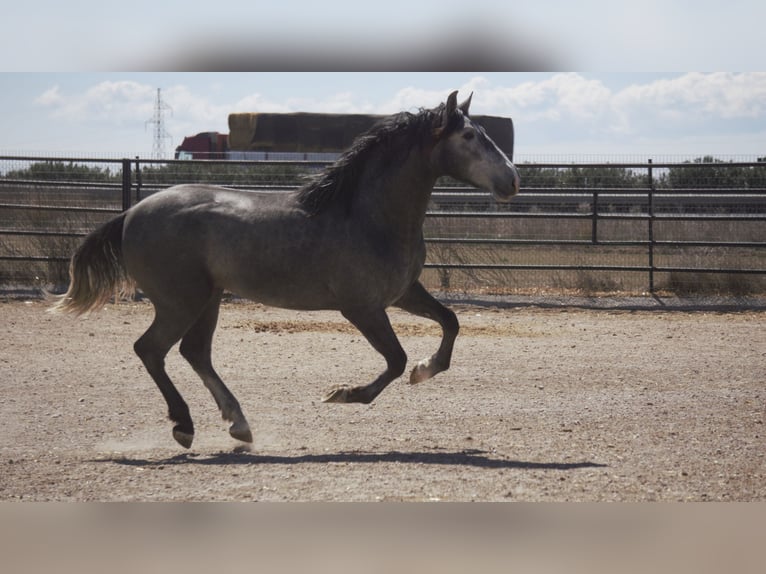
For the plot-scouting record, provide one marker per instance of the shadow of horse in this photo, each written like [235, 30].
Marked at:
[468, 458]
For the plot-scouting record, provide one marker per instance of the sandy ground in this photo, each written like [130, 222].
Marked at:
[540, 404]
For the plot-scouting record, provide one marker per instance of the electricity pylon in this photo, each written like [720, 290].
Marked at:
[158, 119]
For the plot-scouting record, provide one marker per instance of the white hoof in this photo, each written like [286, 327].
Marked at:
[423, 371]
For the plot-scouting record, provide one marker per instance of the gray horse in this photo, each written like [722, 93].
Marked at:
[349, 240]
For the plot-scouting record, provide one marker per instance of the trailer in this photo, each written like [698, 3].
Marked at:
[304, 136]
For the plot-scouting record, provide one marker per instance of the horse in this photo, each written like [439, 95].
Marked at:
[350, 239]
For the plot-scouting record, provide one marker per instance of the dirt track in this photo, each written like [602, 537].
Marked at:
[540, 404]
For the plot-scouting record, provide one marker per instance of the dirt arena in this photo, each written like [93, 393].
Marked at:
[557, 403]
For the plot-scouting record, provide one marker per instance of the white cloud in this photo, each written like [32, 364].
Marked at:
[692, 101]
[720, 95]
[548, 110]
[111, 101]
[338, 103]
[412, 99]
[259, 103]
[50, 97]
[562, 96]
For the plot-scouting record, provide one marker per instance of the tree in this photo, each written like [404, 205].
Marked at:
[64, 171]
[710, 173]
[223, 173]
[582, 177]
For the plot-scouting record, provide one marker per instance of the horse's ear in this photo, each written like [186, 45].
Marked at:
[449, 109]
[465, 105]
[451, 106]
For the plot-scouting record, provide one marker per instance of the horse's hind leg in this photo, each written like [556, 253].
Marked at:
[152, 348]
[375, 326]
[420, 302]
[196, 347]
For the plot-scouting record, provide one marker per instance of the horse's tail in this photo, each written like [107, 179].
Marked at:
[97, 271]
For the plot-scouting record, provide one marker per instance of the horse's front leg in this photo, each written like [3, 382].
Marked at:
[420, 302]
[376, 328]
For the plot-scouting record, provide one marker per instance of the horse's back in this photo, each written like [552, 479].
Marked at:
[189, 198]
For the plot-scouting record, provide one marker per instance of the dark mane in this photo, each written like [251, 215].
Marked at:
[338, 183]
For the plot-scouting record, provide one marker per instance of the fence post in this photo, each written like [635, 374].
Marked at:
[651, 228]
[594, 225]
[138, 181]
[126, 184]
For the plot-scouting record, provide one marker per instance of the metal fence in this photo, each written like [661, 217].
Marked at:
[690, 227]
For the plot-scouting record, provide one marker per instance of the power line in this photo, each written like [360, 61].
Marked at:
[158, 120]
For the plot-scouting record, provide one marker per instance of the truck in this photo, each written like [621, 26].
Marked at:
[304, 136]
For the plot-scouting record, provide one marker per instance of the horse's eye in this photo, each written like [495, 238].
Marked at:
[468, 136]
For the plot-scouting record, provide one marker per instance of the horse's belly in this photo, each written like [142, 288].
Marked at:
[317, 279]
[288, 291]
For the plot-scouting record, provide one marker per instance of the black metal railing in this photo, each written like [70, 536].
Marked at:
[573, 226]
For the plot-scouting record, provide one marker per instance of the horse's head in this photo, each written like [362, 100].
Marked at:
[464, 151]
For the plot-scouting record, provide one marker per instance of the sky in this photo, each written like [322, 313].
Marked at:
[81, 78]
[555, 114]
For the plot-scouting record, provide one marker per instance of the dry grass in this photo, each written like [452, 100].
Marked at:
[590, 255]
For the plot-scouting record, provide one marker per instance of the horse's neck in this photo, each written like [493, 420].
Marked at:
[397, 196]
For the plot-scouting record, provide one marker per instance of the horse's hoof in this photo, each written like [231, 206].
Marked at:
[241, 431]
[422, 372]
[337, 395]
[183, 438]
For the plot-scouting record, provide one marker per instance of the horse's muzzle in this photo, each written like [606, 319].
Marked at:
[509, 187]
